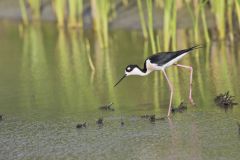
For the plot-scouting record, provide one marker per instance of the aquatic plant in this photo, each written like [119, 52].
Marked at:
[219, 8]
[237, 5]
[35, 9]
[150, 25]
[195, 12]
[100, 10]
[75, 13]
[204, 22]
[59, 10]
[169, 22]
[142, 19]
[24, 12]
[225, 100]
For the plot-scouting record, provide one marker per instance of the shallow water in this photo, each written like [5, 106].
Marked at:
[47, 86]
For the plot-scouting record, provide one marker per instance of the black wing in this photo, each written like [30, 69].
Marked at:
[164, 57]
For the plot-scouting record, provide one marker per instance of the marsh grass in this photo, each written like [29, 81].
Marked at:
[237, 5]
[69, 14]
[150, 25]
[24, 12]
[142, 19]
[35, 9]
[169, 22]
[75, 13]
[219, 9]
[59, 10]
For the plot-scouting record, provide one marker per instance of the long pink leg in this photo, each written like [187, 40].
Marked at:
[171, 95]
[191, 73]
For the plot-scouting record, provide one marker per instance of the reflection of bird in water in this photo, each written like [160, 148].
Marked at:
[160, 61]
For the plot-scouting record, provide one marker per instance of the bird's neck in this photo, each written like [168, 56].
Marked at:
[142, 71]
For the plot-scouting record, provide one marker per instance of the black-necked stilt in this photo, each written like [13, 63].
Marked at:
[160, 61]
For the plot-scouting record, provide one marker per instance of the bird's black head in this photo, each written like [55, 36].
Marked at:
[131, 69]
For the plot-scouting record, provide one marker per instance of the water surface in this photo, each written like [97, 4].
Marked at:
[51, 80]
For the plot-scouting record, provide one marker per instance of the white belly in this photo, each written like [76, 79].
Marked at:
[173, 61]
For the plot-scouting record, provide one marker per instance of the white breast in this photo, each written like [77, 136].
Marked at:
[152, 66]
[173, 61]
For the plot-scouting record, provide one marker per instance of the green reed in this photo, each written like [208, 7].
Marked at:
[59, 10]
[204, 22]
[196, 11]
[75, 13]
[142, 20]
[237, 5]
[23, 8]
[35, 9]
[150, 24]
[69, 13]
[169, 22]
[230, 18]
[218, 8]
[100, 11]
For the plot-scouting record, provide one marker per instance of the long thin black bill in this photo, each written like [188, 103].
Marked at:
[120, 80]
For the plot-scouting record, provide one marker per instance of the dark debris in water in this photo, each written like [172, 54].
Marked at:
[1, 117]
[81, 125]
[146, 116]
[107, 107]
[181, 108]
[225, 100]
[100, 121]
[152, 118]
[238, 124]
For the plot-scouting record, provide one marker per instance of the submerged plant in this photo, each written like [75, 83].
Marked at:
[225, 100]
[182, 107]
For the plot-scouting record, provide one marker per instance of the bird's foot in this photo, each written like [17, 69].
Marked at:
[191, 101]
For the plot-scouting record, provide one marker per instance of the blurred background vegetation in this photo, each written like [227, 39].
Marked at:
[158, 20]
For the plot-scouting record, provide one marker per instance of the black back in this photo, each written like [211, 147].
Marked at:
[162, 58]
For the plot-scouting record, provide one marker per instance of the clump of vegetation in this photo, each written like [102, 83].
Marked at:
[152, 118]
[181, 108]
[1, 117]
[146, 116]
[81, 125]
[100, 121]
[122, 123]
[225, 100]
[107, 107]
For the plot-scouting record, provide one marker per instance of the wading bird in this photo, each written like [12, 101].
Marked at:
[160, 61]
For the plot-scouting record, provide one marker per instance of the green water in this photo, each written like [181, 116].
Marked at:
[51, 80]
